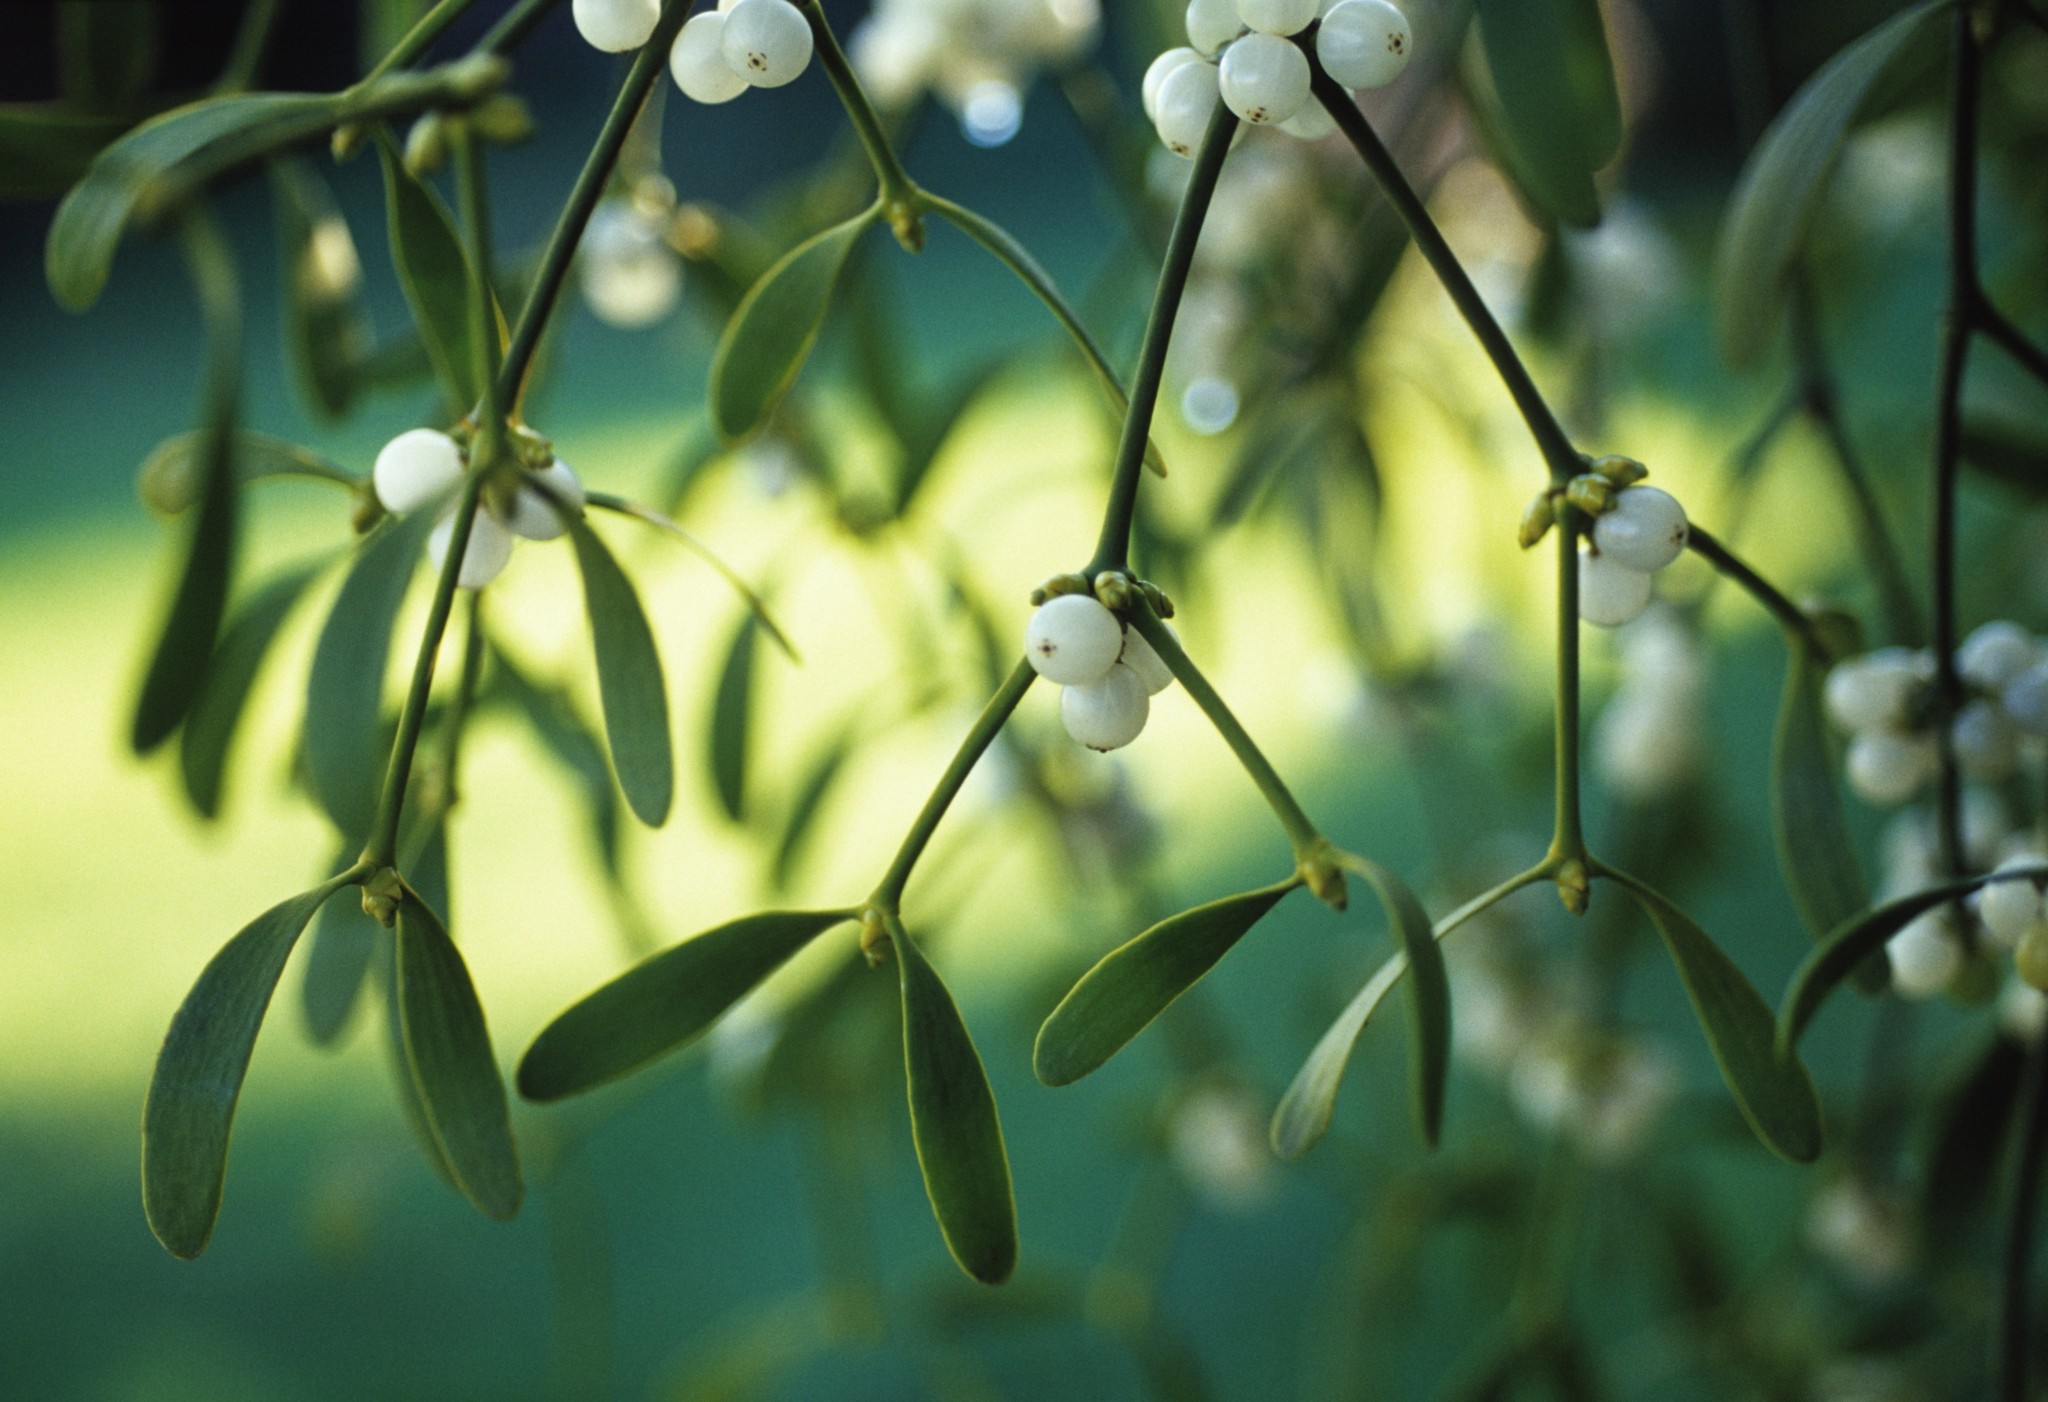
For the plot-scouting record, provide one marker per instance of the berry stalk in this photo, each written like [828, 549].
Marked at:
[902, 204]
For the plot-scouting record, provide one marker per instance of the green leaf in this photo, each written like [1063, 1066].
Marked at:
[190, 1109]
[1773, 1092]
[448, 1050]
[732, 710]
[2007, 450]
[1429, 992]
[338, 954]
[434, 272]
[555, 721]
[663, 1002]
[326, 330]
[1806, 811]
[1862, 937]
[1119, 997]
[411, 1110]
[173, 476]
[216, 712]
[804, 808]
[106, 51]
[954, 1124]
[770, 335]
[1779, 189]
[345, 688]
[44, 149]
[1553, 79]
[629, 681]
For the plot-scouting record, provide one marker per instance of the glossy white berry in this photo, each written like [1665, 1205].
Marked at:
[1212, 24]
[1187, 99]
[1263, 79]
[1886, 769]
[484, 559]
[1645, 530]
[415, 468]
[1610, 593]
[1281, 17]
[1073, 640]
[697, 61]
[2009, 908]
[1925, 957]
[1107, 714]
[1141, 658]
[767, 42]
[1875, 690]
[616, 25]
[1364, 43]
[2026, 699]
[1995, 654]
[1312, 123]
[534, 515]
[1987, 746]
[1157, 73]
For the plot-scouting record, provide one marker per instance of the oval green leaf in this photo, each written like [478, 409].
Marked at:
[1774, 1092]
[1134, 983]
[772, 332]
[410, 1108]
[1429, 1062]
[190, 1109]
[1560, 114]
[1779, 189]
[732, 710]
[338, 953]
[804, 808]
[448, 1051]
[1806, 810]
[434, 273]
[954, 1124]
[326, 330]
[559, 727]
[663, 1002]
[629, 681]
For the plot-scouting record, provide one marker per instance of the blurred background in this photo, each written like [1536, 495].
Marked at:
[745, 1219]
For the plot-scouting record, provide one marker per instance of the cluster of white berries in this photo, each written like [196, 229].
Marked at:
[1241, 52]
[1643, 531]
[1647, 740]
[1930, 956]
[976, 56]
[718, 54]
[1109, 672]
[1882, 699]
[422, 466]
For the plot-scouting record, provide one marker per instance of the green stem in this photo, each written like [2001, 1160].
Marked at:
[899, 193]
[1793, 618]
[250, 41]
[560, 254]
[418, 39]
[2009, 338]
[1562, 459]
[1568, 837]
[473, 197]
[889, 894]
[514, 25]
[1113, 547]
[2021, 1204]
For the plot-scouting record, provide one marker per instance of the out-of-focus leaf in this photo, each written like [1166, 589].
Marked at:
[1773, 1091]
[954, 1124]
[338, 954]
[663, 1002]
[216, 713]
[106, 52]
[1429, 988]
[555, 721]
[804, 808]
[1806, 811]
[448, 1050]
[326, 331]
[45, 149]
[605, 501]
[1554, 81]
[345, 688]
[684, 473]
[174, 474]
[434, 272]
[191, 1105]
[768, 339]
[2007, 450]
[384, 23]
[732, 714]
[1969, 1129]
[1134, 983]
[1775, 198]
[629, 681]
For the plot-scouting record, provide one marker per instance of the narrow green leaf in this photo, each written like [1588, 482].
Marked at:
[771, 334]
[1773, 1092]
[663, 1002]
[954, 1124]
[345, 688]
[1134, 983]
[106, 52]
[411, 1110]
[209, 729]
[44, 148]
[1806, 811]
[732, 710]
[605, 501]
[2007, 450]
[1554, 81]
[1429, 992]
[190, 1109]
[1779, 189]
[338, 954]
[555, 721]
[629, 681]
[174, 474]
[804, 808]
[434, 272]
[1971, 1118]
[326, 330]
[448, 1049]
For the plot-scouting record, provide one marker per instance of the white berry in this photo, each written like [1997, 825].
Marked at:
[1874, 691]
[1212, 24]
[1073, 640]
[1158, 72]
[697, 61]
[1187, 99]
[534, 515]
[1312, 123]
[1263, 78]
[1141, 658]
[415, 468]
[631, 277]
[767, 42]
[1610, 593]
[1281, 17]
[483, 559]
[2009, 908]
[1107, 714]
[1987, 746]
[2026, 699]
[1364, 43]
[1924, 956]
[1645, 529]
[1993, 655]
[1886, 769]
[616, 25]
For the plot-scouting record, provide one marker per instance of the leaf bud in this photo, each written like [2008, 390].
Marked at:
[1115, 590]
[1537, 520]
[1622, 472]
[1574, 887]
[1591, 494]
